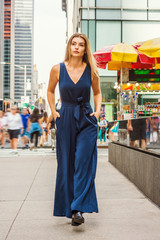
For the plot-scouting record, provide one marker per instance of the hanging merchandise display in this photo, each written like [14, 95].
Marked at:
[141, 87]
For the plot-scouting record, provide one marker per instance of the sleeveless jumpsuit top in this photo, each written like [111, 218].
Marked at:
[76, 147]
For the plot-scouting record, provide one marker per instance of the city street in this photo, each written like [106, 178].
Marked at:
[26, 202]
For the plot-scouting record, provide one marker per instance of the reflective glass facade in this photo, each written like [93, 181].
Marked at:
[16, 46]
[1, 45]
[23, 44]
[7, 48]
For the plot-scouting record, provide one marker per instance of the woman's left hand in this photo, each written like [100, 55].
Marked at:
[96, 114]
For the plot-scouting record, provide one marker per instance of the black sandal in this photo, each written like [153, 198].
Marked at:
[77, 218]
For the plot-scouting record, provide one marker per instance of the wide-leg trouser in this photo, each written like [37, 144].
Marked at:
[76, 162]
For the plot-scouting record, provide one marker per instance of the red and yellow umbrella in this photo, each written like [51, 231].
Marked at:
[151, 48]
[122, 56]
[143, 61]
[117, 56]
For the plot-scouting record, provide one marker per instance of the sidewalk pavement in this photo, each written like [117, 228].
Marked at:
[26, 204]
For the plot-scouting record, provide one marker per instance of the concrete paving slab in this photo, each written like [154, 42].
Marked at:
[45, 176]
[111, 228]
[108, 208]
[124, 212]
[126, 208]
[9, 209]
[36, 210]
[50, 162]
[112, 184]
[20, 162]
[16, 193]
[41, 193]
[4, 228]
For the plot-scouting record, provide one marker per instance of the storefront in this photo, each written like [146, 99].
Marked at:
[141, 94]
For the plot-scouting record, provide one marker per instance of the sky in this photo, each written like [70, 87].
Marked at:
[49, 36]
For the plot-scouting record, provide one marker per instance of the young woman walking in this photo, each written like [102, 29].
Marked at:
[34, 128]
[76, 130]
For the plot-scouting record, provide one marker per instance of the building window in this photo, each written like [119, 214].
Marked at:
[108, 14]
[154, 4]
[108, 3]
[134, 4]
[134, 15]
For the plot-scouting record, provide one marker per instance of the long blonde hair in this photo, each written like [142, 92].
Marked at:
[87, 57]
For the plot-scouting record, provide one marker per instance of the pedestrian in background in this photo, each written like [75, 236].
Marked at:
[76, 130]
[102, 129]
[29, 111]
[58, 105]
[14, 122]
[113, 131]
[2, 130]
[44, 121]
[41, 114]
[35, 128]
[25, 134]
[51, 126]
[7, 139]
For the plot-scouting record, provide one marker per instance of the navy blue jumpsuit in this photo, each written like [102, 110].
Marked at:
[76, 147]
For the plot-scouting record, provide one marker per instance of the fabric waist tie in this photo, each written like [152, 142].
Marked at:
[79, 105]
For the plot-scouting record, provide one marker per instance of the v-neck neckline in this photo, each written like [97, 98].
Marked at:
[80, 76]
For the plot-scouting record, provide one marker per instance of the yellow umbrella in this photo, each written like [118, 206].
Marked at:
[123, 52]
[113, 65]
[151, 48]
[157, 66]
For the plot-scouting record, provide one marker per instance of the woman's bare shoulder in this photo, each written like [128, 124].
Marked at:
[55, 68]
[55, 71]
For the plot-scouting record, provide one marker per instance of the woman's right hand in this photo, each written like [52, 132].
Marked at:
[55, 115]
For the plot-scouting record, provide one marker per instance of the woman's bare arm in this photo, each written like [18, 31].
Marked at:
[97, 96]
[54, 78]
[28, 124]
[49, 122]
[40, 123]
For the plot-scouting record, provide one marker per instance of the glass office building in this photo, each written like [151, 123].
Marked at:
[6, 47]
[23, 52]
[113, 21]
[16, 47]
[1, 45]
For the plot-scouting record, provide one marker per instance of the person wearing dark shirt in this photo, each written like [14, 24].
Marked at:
[35, 128]
[41, 113]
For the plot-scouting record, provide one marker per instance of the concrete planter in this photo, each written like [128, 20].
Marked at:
[140, 167]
